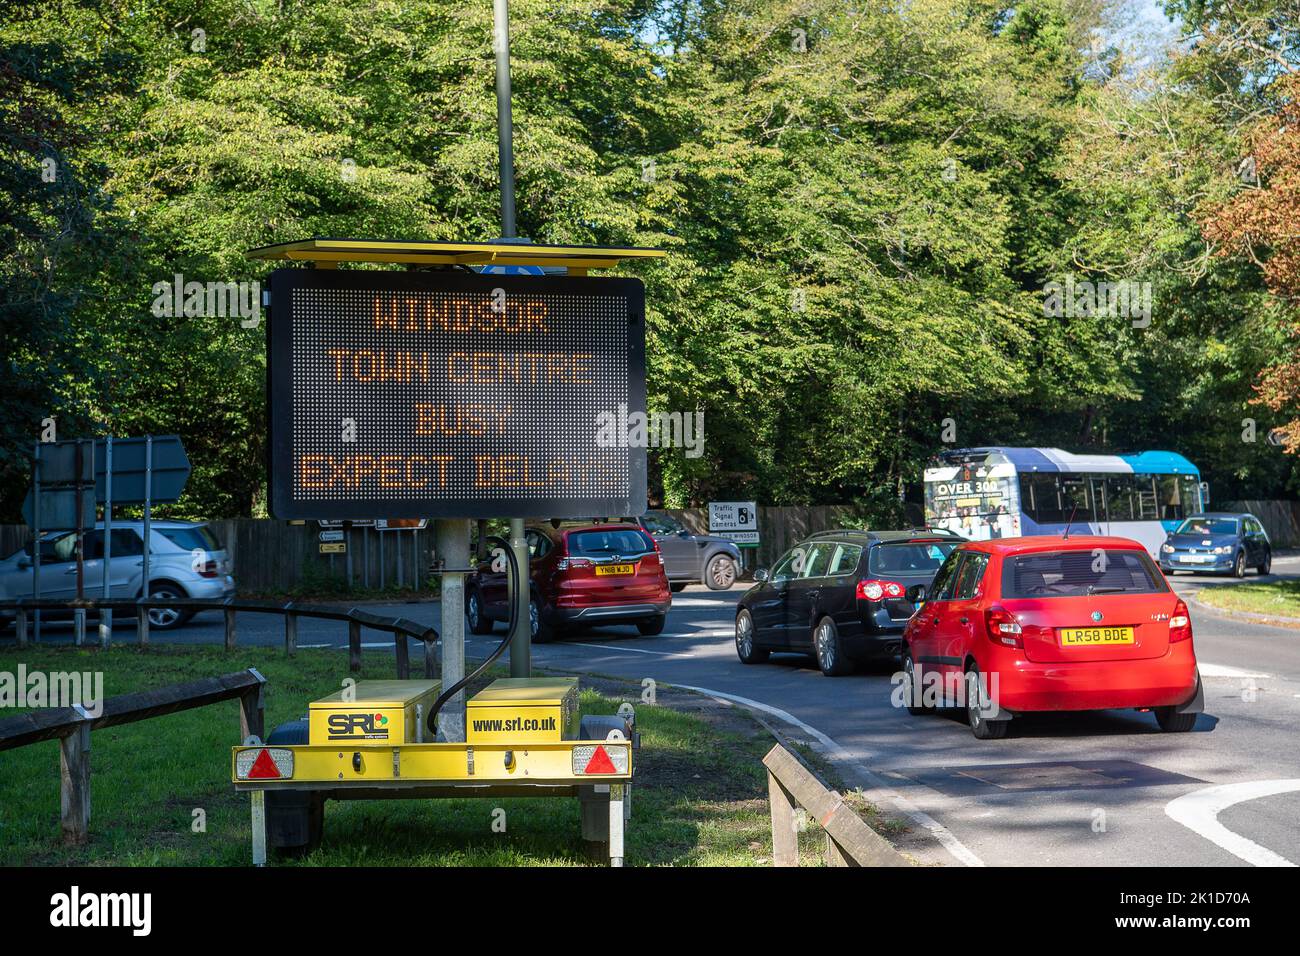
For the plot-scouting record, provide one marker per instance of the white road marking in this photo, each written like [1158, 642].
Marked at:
[1223, 670]
[1199, 812]
[836, 752]
[628, 650]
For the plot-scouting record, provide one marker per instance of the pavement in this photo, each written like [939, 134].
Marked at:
[1104, 788]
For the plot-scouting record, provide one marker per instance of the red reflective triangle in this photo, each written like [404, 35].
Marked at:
[263, 767]
[600, 763]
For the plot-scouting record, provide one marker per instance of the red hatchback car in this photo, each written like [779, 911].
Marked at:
[581, 576]
[1016, 625]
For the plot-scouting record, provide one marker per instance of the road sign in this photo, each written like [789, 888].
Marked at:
[59, 509]
[451, 394]
[170, 470]
[736, 520]
[334, 547]
[58, 462]
[512, 270]
[331, 536]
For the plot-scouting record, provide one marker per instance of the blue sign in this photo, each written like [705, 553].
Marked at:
[511, 270]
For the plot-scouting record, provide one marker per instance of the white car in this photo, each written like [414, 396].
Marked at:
[185, 560]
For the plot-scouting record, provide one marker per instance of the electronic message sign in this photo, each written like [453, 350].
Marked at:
[452, 394]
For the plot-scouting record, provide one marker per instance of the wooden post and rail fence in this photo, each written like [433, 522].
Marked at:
[72, 727]
[791, 786]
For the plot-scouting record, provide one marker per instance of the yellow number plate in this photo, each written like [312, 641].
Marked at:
[1085, 636]
[614, 569]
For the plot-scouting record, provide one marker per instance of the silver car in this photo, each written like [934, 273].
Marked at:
[185, 560]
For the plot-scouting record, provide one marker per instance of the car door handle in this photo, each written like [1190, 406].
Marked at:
[963, 620]
[934, 620]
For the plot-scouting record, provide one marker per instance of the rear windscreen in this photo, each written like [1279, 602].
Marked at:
[1079, 573]
[909, 557]
[190, 539]
[598, 544]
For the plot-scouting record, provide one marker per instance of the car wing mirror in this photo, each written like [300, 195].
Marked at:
[761, 575]
[916, 594]
[683, 533]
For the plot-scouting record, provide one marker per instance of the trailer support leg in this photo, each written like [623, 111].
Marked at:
[259, 827]
[616, 824]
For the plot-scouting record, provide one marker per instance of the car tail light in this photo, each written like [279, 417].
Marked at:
[264, 763]
[1180, 624]
[879, 590]
[599, 759]
[209, 569]
[1002, 627]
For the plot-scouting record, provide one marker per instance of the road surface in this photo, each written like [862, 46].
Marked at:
[1076, 790]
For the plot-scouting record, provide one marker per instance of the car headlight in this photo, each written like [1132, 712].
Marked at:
[1222, 549]
[1167, 548]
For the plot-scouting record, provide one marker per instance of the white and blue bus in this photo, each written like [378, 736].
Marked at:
[983, 493]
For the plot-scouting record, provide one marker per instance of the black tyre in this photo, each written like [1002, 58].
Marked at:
[1172, 722]
[1239, 566]
[746, 649]
[167, 618]
[1267, 564]
[830, 655]
[479, 623]
[542, 631]
[679, 586]
[912, 693]
[653, 626]
[720, 573]
[295, 820]
[980, 726]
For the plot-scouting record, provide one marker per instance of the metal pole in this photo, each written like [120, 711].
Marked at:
[148, 508]
[452, 537]
[79, 615]
[365, 556]
[347, 552]
[505, 123]
[36, 542]
[105, 616]
[521, 638]
[399, 554]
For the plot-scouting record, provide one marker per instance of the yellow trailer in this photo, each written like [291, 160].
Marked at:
[525, 739]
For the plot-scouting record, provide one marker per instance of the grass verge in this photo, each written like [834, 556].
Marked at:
[1264, 597]
[700, 796]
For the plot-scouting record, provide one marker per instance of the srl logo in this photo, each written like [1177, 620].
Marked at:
[348, 726]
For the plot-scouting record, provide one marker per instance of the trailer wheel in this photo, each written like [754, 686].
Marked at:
[295, 819]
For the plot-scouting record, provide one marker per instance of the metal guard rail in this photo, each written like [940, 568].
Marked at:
[399, 627]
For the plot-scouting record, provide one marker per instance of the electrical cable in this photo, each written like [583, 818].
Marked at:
[449, 693]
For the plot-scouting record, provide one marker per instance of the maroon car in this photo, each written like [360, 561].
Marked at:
[581, 576]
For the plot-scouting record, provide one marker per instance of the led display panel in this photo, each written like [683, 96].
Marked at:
[452, 394]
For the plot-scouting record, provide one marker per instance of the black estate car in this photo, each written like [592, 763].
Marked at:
[840, 595]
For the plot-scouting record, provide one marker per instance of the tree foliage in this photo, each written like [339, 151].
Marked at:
[862, 205]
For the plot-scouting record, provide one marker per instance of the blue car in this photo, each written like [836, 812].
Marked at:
[1217, 542]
